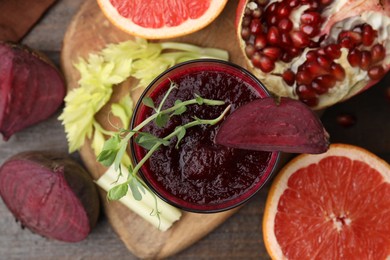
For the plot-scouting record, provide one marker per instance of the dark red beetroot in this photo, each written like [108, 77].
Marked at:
[266, 125]
[31, 88]
[50, 194]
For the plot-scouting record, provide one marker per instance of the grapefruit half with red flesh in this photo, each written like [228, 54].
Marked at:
[161, 19]
[334, 205]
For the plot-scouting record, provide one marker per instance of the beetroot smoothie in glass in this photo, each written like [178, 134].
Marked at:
[199, 175]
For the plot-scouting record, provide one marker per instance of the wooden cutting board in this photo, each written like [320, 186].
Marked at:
[89, 32]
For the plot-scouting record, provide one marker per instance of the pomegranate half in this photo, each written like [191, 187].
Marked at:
[318, 51]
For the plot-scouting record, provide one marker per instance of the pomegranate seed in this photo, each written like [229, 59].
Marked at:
[354, 57]
[312, 18]
[333, 51]
[246, 21]
[245, 33]
[346, 120]
[260, 41]
[305, 92]
[325, 81]
[365, 62]
[315, 69]
[286, 57]
[273, 35]
[303, 77]
[313, 5]
[272, 52]
[355, 37]
[378, 53]
[263, 62]
[255, 26]
[324, 62]
[347, 43]
[337, 71]
[299, 39]
[343, 34]
[272, 20]
[311, 55]
[262, 2]
[294, 3]
[272, 7]
[249, 50]
[318, 88]
[309, 30]
[285, 25]
[326, 2]
[289, 77]
[294, 52]
[285, 39]
[284, 11]
[368, 35]
[311, 102]
[321, 52]
[256, 59]
[376, 72]
[257, 13]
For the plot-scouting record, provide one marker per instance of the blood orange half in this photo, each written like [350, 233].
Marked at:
[161, 19]
[334, 205]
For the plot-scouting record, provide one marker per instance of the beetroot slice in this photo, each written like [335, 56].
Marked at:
[50, 194]
[31, 88]
[266, 125]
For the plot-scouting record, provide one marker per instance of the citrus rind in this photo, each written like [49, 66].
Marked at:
[279, 185]
[187, 27]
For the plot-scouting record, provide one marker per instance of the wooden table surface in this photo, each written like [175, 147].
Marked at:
[238, 238]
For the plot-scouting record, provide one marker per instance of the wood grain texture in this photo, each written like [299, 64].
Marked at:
[90, 32]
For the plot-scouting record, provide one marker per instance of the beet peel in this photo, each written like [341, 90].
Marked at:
[50, 194]
[31, 88]
[266, 124]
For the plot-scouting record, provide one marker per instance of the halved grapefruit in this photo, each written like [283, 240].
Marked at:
[334, 205]
[161, 19]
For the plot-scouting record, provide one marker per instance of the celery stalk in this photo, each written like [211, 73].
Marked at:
[145, 207]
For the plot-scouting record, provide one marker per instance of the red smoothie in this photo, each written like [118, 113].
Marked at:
[200, 175]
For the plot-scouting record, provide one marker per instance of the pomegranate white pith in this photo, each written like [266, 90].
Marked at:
[318, 51]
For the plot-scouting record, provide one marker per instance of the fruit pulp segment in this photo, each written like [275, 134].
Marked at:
[338, 208]
[160, 13]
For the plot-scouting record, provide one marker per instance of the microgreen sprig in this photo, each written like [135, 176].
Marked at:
[115, 147]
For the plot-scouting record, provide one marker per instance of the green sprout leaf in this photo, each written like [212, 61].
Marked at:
[110, 150]
[180, 135]
[147, 140]
[148, 101]
[134, 187]
[162, 120]
[118, 191]
[181, 109]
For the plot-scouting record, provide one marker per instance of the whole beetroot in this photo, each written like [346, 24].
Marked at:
[50, 194]
[31, 88]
